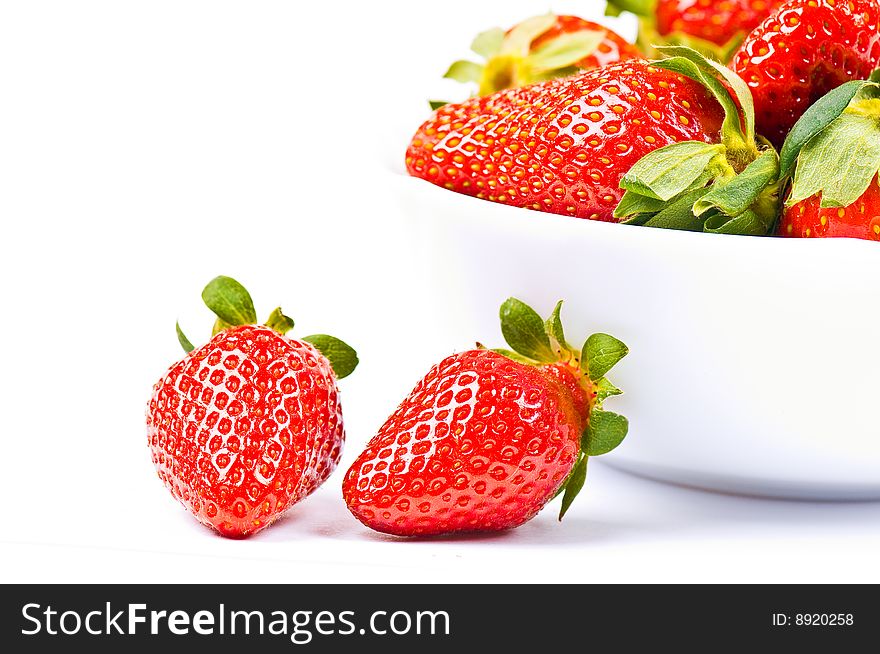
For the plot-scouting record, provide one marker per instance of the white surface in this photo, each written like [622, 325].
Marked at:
[145, 148]
[753, 364]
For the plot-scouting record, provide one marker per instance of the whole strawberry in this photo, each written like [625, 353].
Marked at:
[248, 424]
[573, 146]
[487, 438]
[562, 146]
[834, 154]
[537, 49]
[803, 50]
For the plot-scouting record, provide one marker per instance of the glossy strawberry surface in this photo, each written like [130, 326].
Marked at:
[861, 219]
[562, 146]
[481, 443]
[245, 426]
[803, 50]
[717, 21]
[612, 48]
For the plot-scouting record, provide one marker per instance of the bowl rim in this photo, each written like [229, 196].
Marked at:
[498, 211]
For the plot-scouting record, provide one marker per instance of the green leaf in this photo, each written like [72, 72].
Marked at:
[510, 354]
[523, 330]
[709, 49]
[748, 223]
[633, 203]
[679, 214]
[600, 354]
[519, 39]
[733, 196]
[342, 357]
[686, 64]
[436, 104]
[638, 7]
[553, 326]
[639, 220]
[183, 340]
[840, 161]
[604, 432]
[573, 485]
[464, 71]
[734, 81]
[488, 44]
[605, 389]
[670, 170]
[279, 322]
[229, 301]
[565, 50]
[815, 119]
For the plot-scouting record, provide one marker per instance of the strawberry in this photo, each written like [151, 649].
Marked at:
[803, 50]
[859, 219]
[487, 438]
[250, 423]
[565, 146]
[540, 48]
[833, 152]
[714, 27]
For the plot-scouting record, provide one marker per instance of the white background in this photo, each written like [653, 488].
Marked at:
[146, 147]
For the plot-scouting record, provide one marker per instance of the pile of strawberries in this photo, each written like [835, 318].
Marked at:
[784, 139]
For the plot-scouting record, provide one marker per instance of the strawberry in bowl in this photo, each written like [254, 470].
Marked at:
[803, 50]
[714, 27]
[537, 49]
[573, 146]
[838, 133]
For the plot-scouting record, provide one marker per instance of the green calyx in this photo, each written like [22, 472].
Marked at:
[510, 61]
[641, 8]
[729, 187]
[834, 149]
[233, 307]
[539, 342]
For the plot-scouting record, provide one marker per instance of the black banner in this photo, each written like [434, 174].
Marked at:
[319, 618]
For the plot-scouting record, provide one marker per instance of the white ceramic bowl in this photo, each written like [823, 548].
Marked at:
[755, 362]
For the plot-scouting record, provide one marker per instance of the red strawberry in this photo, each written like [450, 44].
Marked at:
[487, 438]
[802, 51]
[250, 423]
[715, 27]
[716, 21]
[540, 48]
[564, 146]
[861, 219]
[834, 151]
